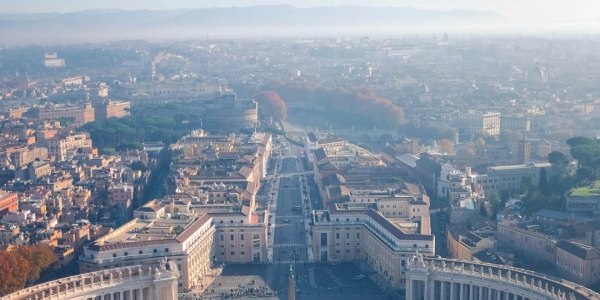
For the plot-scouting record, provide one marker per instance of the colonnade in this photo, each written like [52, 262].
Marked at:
[444, 290]
[448, 279]
[128, 283]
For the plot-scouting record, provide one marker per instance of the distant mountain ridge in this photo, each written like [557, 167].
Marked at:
[132, 24]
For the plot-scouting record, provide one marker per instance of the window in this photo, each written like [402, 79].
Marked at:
[155, 251]
[358, 235]
[347, 235]
[221, 237]
[232, 253]
[231, 237]
[242, 236]
[323, 239]
[125, 254]
[166, 249]
[140, 252]
[114, 255]
[242, 253]
[414, 245]
[337, 235]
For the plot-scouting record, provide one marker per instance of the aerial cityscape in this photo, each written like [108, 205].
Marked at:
[414, 150]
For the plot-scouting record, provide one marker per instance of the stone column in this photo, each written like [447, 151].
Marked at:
[480, 293]
[489, 297]
[462, 291]
[409, 295]
[471, 292]
[452, 291]
[429, 288]
[498, 294]
[443, 290]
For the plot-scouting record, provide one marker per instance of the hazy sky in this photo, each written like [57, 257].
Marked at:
[520, 9]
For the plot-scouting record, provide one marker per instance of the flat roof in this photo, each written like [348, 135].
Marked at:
[159, 231]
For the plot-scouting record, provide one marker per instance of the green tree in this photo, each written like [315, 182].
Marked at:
[139, 166]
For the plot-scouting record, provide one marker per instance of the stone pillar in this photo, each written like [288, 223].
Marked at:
[498, 295]
[452, 291]
[489, 296]
[409, 295]
[480, 293]
[462, 291]
[428, 288]
[443, 290]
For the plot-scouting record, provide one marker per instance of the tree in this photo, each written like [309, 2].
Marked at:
[23, 265]
[272, 105]
[139, 166]
[558, 158]
[543, 184]
[446, 146]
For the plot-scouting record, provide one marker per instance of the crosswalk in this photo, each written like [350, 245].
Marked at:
[311, 278]
[289, 217]
[287, 262]
[288, 245]
[333, 278]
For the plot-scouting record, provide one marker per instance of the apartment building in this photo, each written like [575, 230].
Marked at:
[77, 114]
[473, 123]
[8, 202]
[510, 178]
[66, 146]
[526, 238]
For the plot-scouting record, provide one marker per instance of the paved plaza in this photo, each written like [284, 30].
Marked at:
[313, 281]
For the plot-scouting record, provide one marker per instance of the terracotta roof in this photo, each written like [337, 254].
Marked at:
[193, 228]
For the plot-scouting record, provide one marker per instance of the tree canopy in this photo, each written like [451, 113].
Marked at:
[342, 107]
[23, 265]
[271, 104]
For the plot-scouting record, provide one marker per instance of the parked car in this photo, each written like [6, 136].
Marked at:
[359, 277]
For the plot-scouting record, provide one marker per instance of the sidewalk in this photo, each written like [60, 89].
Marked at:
[273, 194]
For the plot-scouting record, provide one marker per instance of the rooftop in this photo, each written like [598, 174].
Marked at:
[139, 232]
[587, 191]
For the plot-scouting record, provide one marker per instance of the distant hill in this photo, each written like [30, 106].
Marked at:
[105, 25]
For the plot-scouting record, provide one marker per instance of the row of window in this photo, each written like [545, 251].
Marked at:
[139, 252]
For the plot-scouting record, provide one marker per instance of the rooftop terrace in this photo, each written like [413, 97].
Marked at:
[587, 191]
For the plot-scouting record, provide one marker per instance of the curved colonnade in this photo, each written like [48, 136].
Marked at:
[449, 279]
[127, 283]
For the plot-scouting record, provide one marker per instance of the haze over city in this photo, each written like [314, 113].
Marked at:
[352, 150]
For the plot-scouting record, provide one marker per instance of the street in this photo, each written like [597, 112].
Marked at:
[290, 248]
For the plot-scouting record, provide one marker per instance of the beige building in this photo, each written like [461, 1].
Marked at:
[187, 241]
[510, 178]
[515, 123]
[51, 60]
[354, 234]
[120, 195]
[25, 156]
[62, 147]
[526, 239]
[578, 262]
[473, 123]
[464, 244]
[186, 234]
[79, 114]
